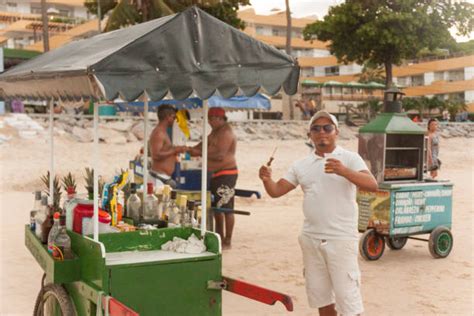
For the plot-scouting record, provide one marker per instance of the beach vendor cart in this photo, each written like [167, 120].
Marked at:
[128, 273]
[406, 204]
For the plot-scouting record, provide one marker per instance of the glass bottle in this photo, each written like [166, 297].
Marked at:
[53, 232]
[182, 203]
[165, 200]
[69, 205]
[62, 242]
[40, 217]
[47, 224]
[134, 204]
[173, 210]
[35, 210]
[151, 204]
[188, 218]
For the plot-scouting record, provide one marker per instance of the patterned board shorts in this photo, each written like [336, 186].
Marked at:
[223, 188]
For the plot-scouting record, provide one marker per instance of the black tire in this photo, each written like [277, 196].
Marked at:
[396, 243]
[440, 243]
[55, 297]
[371, 245]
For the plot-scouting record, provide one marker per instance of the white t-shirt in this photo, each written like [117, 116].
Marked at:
[329, 205]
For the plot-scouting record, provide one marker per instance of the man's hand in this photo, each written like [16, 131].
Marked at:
[265, 173]
[180, 149]
[335, 166]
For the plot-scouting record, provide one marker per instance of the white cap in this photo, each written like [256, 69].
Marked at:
[325, 114]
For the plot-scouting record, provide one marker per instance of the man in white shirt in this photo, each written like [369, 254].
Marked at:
[329, 177]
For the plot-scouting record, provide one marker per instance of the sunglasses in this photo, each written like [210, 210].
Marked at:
[326, 128]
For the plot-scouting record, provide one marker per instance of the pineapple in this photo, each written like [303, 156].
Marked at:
[69, 181]
[89, 178]
[56, 189]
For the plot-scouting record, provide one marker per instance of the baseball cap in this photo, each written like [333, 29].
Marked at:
[216, 112]
[325, 114]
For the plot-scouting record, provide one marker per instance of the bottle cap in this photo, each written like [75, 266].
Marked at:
[149, 188]
[56, 215]
[37, 195]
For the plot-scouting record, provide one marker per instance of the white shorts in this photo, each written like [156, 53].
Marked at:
[332, 274]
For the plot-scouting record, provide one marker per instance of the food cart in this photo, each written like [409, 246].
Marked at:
[406, 203]
[127, 273]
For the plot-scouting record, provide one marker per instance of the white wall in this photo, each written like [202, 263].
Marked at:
[349, 69]
[320, 53]
[319, 71]
[469, 96]
[428, 78]
[468, 73]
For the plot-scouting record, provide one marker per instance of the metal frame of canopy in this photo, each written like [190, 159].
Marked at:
[241, 63]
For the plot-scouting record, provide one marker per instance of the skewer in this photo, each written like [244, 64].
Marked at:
[271, 157]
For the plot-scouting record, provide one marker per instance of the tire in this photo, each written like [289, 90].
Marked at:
[440, 243]
[53, 299]
[371, 245]
[396, 243]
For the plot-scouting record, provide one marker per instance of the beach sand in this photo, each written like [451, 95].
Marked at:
[265, 250]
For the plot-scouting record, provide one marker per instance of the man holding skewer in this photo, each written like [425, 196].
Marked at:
[329, 177]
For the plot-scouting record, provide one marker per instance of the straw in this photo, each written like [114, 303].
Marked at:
[271, 157]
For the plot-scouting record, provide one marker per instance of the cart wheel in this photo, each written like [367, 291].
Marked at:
[53, 300]
[371, 245]
[396, 243]
[441, 242]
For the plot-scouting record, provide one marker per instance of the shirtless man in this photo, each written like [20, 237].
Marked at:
[163, 153]
[221, 162]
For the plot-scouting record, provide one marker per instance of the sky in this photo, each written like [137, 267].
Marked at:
[301, 8]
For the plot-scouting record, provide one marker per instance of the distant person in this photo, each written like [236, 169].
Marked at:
[329, 238]
[434, 163]
[163, 153]
[222, 144]
[446, 115]
[57, 109]
[416, 119]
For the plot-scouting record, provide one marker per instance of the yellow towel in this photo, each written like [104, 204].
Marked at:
[182, 119]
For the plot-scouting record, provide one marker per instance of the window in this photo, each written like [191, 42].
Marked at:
[456, 75]
[260, 30]
[403, 81]
[438, 76]
[417, 80]
[332, 71]
[278, 32]
[307, 72]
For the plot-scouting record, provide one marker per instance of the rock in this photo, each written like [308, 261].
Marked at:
[131, 138]
[138, 129]
[82, 135]
[111, 136]
[121, 126]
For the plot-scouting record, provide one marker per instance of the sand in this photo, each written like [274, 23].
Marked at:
[265, 251]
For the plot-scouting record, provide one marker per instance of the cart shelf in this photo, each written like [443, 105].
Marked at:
[161, 256]
[66, 271]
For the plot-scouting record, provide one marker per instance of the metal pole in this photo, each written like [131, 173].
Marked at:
[145, 147]
[95, 166]
[99, 15]
[51, 151]
[204, 169]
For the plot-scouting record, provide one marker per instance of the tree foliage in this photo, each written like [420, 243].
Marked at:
[123, 13]
[385, 32]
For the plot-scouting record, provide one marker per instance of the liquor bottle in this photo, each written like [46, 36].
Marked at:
[62, 242]
[182, 204]
[188, 218]
[134, 204]
[53, 232]
[47, 224]
[173, 210]
[41, 216]
[197, 219]
[35, 210]
[151, 204]
[165, 200]
[69, 205]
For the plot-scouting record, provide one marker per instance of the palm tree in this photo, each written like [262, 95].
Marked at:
[129, 12]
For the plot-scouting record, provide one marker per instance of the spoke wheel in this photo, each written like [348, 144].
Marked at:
[441, 242]
[371, 245]
[53, 300]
